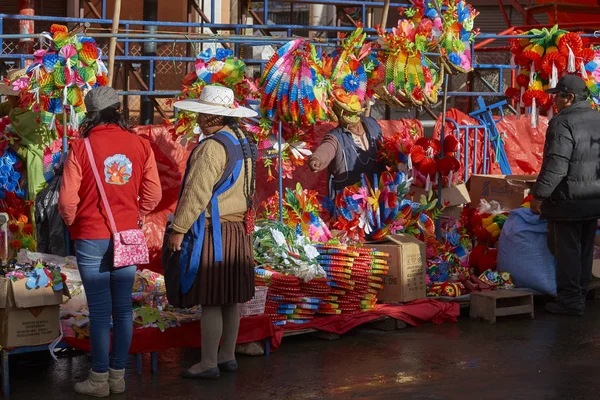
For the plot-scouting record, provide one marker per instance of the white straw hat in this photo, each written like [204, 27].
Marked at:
[216, 100]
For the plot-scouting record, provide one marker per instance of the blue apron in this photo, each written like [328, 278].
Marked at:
[193, 241]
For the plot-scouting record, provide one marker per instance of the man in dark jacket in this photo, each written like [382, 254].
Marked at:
[568, 191]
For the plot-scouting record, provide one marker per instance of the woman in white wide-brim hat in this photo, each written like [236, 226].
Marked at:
[208, 253]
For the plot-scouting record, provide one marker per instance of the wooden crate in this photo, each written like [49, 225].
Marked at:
[499, 303]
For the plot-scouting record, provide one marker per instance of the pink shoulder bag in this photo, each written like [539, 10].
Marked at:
[130, 246]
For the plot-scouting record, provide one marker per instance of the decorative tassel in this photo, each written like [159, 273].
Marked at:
[571, 67]
[583, 72]
[551, 113]
[512, 60]
[450, 178]
[428, 183]
[532, 75]
[73, 121]
[521, 104]
[554, 77]
[533, 113]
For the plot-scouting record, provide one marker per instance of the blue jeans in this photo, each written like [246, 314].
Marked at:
[108, 292]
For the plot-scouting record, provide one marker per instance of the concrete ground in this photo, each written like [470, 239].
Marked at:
[551, 357]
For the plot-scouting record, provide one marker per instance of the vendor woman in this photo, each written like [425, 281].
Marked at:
[209, 253]
[349, 150]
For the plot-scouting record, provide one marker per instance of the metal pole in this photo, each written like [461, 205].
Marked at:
[149, 49]
[65, 150]
[280, 168]
[112, 47]
[438, 222]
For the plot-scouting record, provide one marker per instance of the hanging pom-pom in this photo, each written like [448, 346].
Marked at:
[571, 63]
[554, 76]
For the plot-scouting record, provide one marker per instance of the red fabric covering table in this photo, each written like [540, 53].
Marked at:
[415, 313]
[151, 340]
[259, 327]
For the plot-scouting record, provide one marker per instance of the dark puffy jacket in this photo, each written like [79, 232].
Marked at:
[569, 181]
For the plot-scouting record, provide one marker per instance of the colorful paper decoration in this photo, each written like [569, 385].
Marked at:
[543, 60]
[406, 76]
[218, 67]
[64, 67]
[458, 36]
[348, 70]
[292, 86]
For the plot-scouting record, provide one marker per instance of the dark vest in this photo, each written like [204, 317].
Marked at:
[357, 161]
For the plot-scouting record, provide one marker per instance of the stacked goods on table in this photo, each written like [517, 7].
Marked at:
[355, 278]
[287, 303]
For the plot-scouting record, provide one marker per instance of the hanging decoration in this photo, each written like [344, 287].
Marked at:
[218, 67]
[292, 86]
[64, 68]
[406, 76]
[458, 36]
[542, 61]
[348, 71]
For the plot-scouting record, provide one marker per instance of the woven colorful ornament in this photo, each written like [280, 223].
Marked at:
[218, 67]
[60, 73]
[86, 77]
[68, 56]
[50, 60]
[88, 53]
[408, 76]
[458, 36]
[351, 65]
[290, 85]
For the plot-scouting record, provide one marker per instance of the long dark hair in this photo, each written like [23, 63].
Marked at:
[250, 170]
[109, 116]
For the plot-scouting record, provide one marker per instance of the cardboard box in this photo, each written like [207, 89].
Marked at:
[29, 317]
[451, 196]
[453, 212]
[406, 277]
[508, 190]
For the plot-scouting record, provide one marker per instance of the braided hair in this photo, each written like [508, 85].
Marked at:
[249, 160]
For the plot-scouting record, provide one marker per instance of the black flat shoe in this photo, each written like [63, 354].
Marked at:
[228, 366]
[557, 308]
[209, 374]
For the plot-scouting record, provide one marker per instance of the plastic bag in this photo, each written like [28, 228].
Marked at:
[523, 252]
[50, 226]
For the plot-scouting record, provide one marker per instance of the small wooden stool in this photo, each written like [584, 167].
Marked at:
[499, 303]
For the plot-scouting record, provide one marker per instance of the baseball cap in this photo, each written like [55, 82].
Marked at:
[100, 98]
[569, 84]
